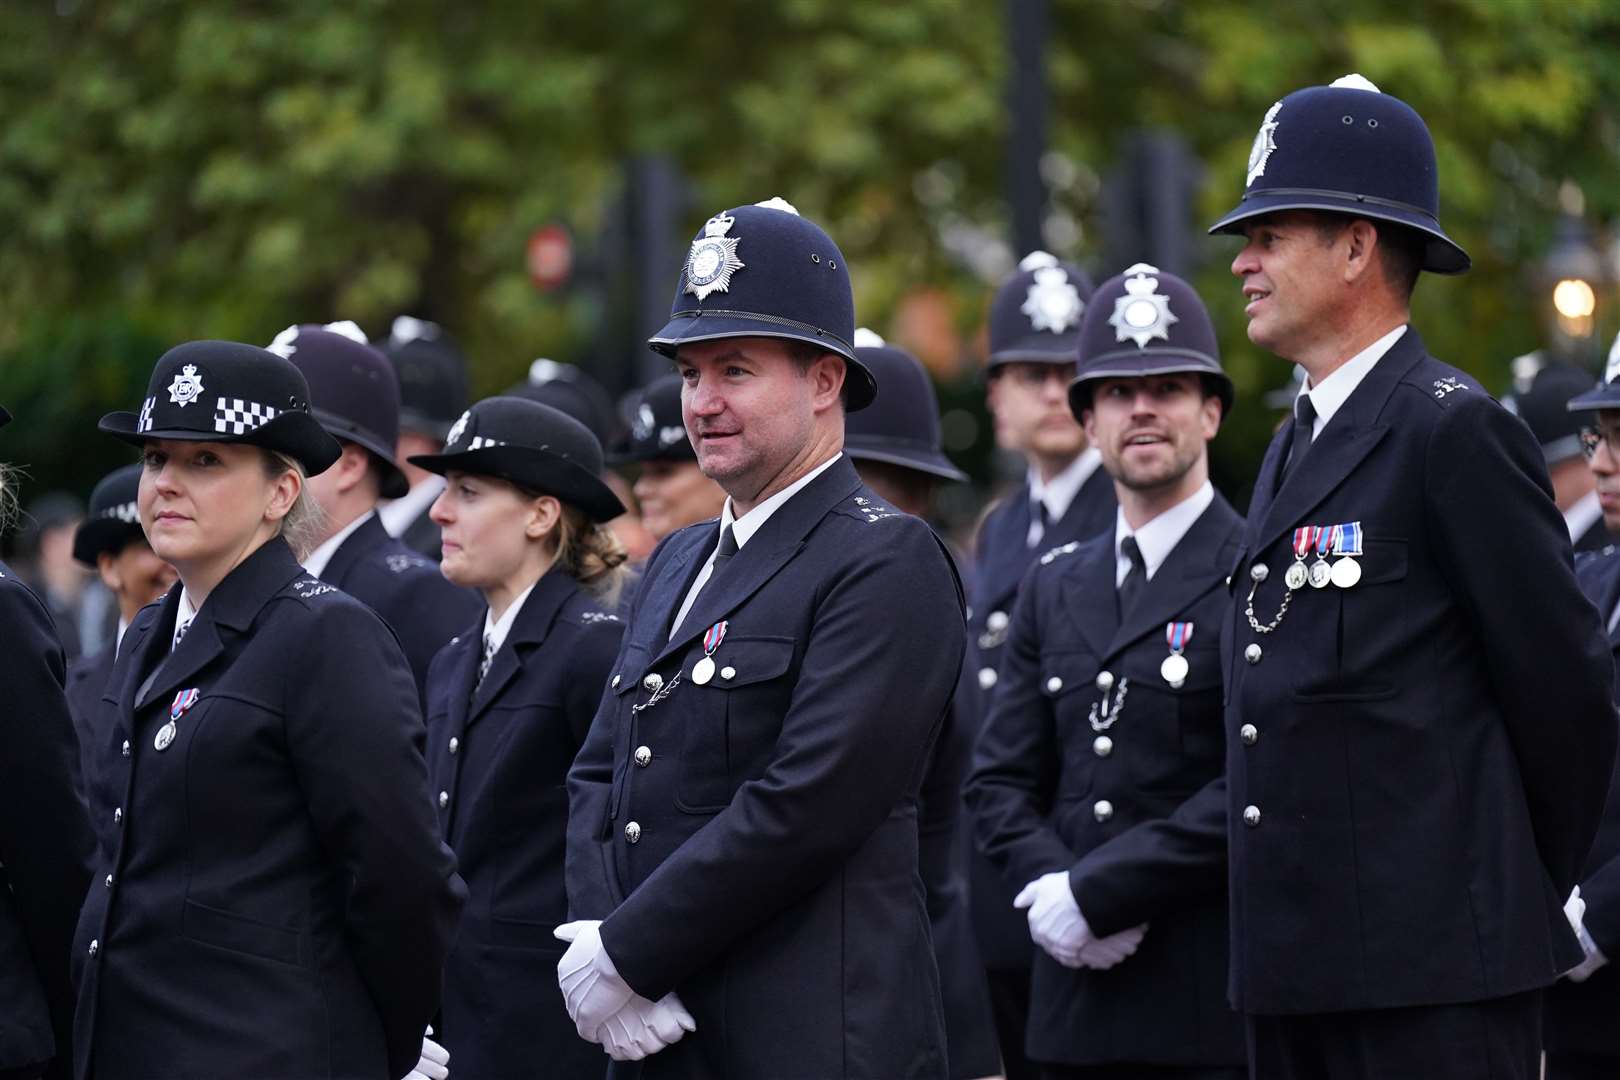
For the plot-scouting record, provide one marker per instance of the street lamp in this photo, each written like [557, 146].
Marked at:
[1572, 270]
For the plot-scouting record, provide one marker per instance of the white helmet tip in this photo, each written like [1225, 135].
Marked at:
[866, 339]
[1355, 82]
[776, 202]
[1037, 260]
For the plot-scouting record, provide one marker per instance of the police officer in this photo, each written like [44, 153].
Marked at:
[509, 703]
[1545, 409]
[432, 393]
[1096, 781]
[110, 542]
[271, 896]
[1581, 1040]
[898, 452]
[1034, 329]
[743, 816]
[669, 487]
[1429, 692]
[355, 397]
[45, 841]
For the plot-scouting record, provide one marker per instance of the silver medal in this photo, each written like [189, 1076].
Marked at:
[1174, 669]
[1346, 572]
[703, 671]
[1297, 576]
[165, 736]
[1321, 574]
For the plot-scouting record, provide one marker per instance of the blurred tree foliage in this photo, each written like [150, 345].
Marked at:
[173, 170]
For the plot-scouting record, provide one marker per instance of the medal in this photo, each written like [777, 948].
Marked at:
[1297, 575]
[1322, 540]
[1347, 571]
[183, 701]
[703, 670]
[1175, 666]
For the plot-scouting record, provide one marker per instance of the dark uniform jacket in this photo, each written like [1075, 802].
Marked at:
[424, 609]
[1435, 743]
[86, 682]
[272, 898]
[1138, 820]
[1001, 560]
[501, 760]
[760, 857]
[45, 840]
[1584, 1018]
[1595, 538]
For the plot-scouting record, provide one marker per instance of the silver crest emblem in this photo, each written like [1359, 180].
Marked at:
[187, 386]
[1264, 145]
[1143, 313]
[642, 429]
[1053, 303]
[457, 429]
[713, 258]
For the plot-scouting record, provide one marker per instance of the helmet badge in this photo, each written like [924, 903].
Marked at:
[1143, 313]
[1053, 303]
[713, 259]
[187, 386]
[1264, 145]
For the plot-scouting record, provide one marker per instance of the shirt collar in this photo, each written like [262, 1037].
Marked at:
[743, 528]
[398, 514]
[1059, 492]
[495, 631]
[318, 559]
[1583, 515]
[184, 612]
[123, 624]
[1159, 537]
[1335, 390]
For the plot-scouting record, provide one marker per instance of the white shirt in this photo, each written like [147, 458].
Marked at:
[398, 514]
[743, 530]
[1583, 515]
[1057, 494]
[495, 631]
[182, 617]
[316, 563]
[1159, 537]
[1336, 389]
[123, 624]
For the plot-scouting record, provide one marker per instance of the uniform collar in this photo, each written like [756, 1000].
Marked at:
[184, 613]
[1334, 390]
[744, 528]
[1159, 537]
[1583, 515]
[1058, 493]
[321, 556]
[495, 631]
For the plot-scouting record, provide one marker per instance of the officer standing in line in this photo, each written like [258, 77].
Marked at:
[743, 816]
[110, 542]
[1097, 779]
[1582, 1041]
[354, 395]
[898, 452]
[45, 840]
[1431, 734]
[1034, 329]
[432, 393]
[1545, 409]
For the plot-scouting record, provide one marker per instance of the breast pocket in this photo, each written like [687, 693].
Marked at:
[1069, 684]
[733, 720]
[1362, 671]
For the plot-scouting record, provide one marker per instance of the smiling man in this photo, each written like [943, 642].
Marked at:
[1417, 761]
[743, 815]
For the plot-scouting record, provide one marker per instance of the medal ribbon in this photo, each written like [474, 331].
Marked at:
[1177, 635]
[713, 637]
[184, 700]
[1348, 538]
[1321, 539]
[1303, 541]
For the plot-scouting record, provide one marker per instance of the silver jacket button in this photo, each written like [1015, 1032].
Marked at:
[444, 799]
[1251, 816]
[616, 680]
[1253, 653]
[652, 682]
[126, 748]
[1259, 572]
[1249, 734]
[987, 678]
[1103, 745]
[1105, 681]
[1103, 810]
[455, 744]
[643, 756]
[996, 622]
[118, 815]
[95, 947]
[1054, 684]
[728, 673]
[632, 832]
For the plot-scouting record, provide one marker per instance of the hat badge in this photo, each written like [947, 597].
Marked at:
[1143, 313]
[1053, 303]
[457, 430]
[1611, 370]
[186, 387]
[713, 258]
[645, 421]
[1264, 145]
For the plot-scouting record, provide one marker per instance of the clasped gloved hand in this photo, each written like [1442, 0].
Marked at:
[434, 1064]
[604, 1008]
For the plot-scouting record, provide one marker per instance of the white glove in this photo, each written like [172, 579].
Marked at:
[590, 984]
[1575, 912]
[1055, 922]
[644, 1027]
[434, 1064]
[1113, 950]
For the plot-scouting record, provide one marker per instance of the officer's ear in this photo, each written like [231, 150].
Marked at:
[827, 374]
[1362, 257]
[544, 513]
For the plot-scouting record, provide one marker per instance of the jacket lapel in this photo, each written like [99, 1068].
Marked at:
[662, 594]
[1005, 535]
[1090, 600]
[529, 629]
[1194, 566]
[353, 549]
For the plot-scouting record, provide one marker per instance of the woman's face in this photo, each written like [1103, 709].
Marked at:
[203, 503]
[488, 528]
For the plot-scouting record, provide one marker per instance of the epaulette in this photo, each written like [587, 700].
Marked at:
[591, 617]
[307, 588]
[871, 510]
[399, 562]
[1058, 552]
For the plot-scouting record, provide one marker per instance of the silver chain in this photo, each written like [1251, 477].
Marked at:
[659, 694]
[1105, 719]
[1254, 623]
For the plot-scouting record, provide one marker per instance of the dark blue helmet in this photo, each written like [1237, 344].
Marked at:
[570, 388]
[1035, 315]
[764, 271]
[1544, 408]
[112, 519]
[657, 429]
[432, 375]
[1147, 322]
[1348, 149]
[902, 428]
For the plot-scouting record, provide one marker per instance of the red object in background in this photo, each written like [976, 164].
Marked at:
[550, 257]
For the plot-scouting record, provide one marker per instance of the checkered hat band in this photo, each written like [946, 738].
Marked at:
[126, 512]
[478, 442]
[234, 416]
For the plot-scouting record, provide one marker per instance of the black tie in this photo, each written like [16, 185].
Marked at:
[723, 553]
[1131, 588]
[1039, 514]
[1304, 429]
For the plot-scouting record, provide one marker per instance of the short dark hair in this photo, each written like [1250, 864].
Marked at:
[1401, 249]
[805, 353]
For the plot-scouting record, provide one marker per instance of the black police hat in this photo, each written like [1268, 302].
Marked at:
[432, 375]
[657, 429]
[1606, 394]
[902, 428]
[1035, 315]
[353, 391]
[1348, 149]
[534, 446]
[224, 391]
[1147, 322]
[1545, 409]
[764, 271]
[569, 388]
[113, 519]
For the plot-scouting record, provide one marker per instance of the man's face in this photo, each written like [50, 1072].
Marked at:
[1605, 466]
[750, 409]
[1030, 404]
[1152, 430]
[1291, 280]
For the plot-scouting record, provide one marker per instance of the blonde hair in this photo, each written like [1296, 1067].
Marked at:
[592, 554]
[305, 522]
[9, 505]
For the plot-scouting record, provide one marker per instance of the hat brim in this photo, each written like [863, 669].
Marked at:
[1601, 396]
[104, 534]
[922, 461]
[296, 434]
[421, 423]
[1441, 254]
[860, 385]
[1148, 362]
[1029, 354]
[534, 470]
[393, 484]
[635, 456]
